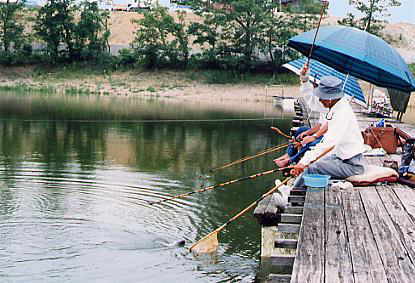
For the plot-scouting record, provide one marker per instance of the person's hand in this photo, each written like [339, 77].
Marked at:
[297, 169]
[307, 140]
[304, 70]
[298, 145]
[304, 73]
[302, 135]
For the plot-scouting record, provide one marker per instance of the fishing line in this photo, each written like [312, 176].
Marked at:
[145, 121]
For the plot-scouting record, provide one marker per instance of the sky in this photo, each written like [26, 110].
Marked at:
[403, 13]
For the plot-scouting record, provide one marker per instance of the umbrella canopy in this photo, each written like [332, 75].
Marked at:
[318, 69]
[358, 53]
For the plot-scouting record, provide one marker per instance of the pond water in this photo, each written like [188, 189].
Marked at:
[76, 175]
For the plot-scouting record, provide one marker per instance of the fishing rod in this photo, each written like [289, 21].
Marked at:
[323, 7]
[261, 153]
[210, 243]
[218, 185]
[280, 132]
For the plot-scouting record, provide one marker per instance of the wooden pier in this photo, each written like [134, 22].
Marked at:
[363, 234]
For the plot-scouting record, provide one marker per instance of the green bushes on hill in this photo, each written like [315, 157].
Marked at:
[241, 36]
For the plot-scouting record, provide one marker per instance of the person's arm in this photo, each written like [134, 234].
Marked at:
[314, 135]
[322, 130]
[311, 131]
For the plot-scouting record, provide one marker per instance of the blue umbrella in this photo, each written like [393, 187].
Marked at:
[358, 53]
[318, 69]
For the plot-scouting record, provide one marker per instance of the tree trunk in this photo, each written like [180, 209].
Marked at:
[370, 15]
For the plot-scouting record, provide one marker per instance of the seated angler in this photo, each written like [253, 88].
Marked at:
[343, 133]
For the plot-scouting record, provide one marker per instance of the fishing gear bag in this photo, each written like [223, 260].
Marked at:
[388, 138]
[384, 137]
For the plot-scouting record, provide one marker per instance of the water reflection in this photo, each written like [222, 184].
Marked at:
[73, 193]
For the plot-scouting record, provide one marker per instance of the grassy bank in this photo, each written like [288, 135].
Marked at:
[82, 79]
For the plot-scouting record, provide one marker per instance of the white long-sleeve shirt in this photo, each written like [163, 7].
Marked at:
[306, 91]
[343, 132]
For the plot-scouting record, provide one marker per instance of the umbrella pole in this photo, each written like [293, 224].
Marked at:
[323, 7]
[344, 86]
[371, 91]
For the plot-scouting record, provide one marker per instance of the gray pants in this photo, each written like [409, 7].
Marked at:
[334, 167]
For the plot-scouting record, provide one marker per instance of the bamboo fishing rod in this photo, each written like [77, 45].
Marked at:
[210, 242]
[261, 153]
[323, 7]
[218, 185]
[280, 132]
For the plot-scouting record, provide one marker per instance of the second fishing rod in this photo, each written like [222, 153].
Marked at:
[220, 185]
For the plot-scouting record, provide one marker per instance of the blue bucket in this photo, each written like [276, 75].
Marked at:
[316, 180]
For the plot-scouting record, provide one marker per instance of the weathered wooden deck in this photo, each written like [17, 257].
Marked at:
[363, 234]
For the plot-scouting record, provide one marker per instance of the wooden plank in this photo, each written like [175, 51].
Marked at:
[294, 210]
[286, 243]
[407, 197]
[309, 261]
[298, 191]
[282, 260]
[290, 218]
[396, 262]
[296, 199]
[279, 278]
[288, 228]
[367, 263]
[338, 262]
[403, 222]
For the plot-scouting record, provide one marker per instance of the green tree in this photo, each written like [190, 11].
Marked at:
[92, 31]
[55, 25]
[240, 25]
[373, 11]
[161, 41]
[11, 29]
[72, 35]
[276, 32]
[243, 32]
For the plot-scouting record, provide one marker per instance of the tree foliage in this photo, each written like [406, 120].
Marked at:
[92, 31]
[373, 14]
[245, 31]
[160, 41]
[71, 36]
[11, 28]
[55, 26]
[276, 32]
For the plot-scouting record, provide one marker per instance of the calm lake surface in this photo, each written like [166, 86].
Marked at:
[76, 175]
